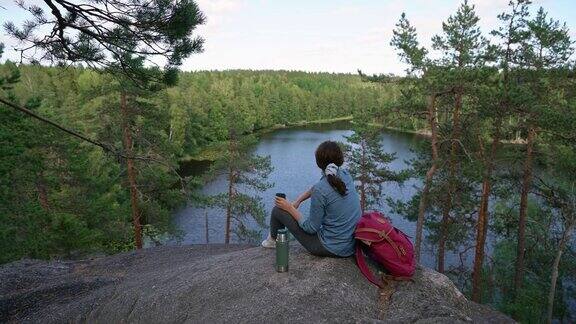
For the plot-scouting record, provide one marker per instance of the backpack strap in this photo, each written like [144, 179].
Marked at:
[399, 249]
[363, 266]
[384, 236]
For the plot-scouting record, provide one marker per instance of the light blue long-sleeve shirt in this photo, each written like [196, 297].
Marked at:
[332, 216]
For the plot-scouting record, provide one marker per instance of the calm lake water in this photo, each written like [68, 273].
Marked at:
[295, 170]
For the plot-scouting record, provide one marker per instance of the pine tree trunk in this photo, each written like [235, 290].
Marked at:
[131, 171]
[451, 181]
[42, 192]
[526, 184]
[423, 203]
[443, 235]
[565, 238]
[229, 207]
[483, 217]
[231, 180]
[483, 213]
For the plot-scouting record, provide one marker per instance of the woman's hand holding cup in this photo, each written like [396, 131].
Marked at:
[281, 202]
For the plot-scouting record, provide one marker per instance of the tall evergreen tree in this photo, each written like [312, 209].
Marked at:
[547, 47]
[463, 47]
[245, 174]
[406, 43]
[368, 163]
[495, 105]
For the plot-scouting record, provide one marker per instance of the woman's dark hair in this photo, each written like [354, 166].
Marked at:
[330, 152]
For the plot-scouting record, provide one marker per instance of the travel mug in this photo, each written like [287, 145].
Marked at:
[282, 250]
[281, 195]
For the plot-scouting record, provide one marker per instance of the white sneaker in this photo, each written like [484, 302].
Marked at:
[269, 243]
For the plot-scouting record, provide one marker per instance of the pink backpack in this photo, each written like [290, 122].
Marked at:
[386, 245]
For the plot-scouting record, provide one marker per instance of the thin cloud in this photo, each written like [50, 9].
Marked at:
[321, 35]
[217, 12]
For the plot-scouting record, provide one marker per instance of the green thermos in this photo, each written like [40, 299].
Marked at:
[282, 250]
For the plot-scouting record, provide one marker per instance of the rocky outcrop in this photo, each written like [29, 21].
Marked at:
[219, 283]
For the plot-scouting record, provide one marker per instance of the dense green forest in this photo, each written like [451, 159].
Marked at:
[200, 103]
[61, 196]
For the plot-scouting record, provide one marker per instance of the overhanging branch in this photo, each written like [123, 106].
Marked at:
[60, 127]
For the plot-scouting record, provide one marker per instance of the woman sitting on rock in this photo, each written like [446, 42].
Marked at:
[334, 209]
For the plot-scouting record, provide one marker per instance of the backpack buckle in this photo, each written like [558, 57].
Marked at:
[402, 250]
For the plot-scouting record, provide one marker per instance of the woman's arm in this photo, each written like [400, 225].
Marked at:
[305, 195]
[312, 223]
[317, 211]
[287, 206]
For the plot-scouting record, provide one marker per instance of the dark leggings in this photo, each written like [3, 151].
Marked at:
[310, 242]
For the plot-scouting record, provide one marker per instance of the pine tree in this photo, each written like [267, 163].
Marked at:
[561, 197]
[405, 41]
[108, 33]
[369, 163]
[246, 174]
[547, 47]
[463, 47]
[134, 33]
[496, 106]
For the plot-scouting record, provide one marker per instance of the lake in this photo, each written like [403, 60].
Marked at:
[292, 154]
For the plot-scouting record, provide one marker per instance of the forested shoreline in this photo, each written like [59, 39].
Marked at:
[62, 197]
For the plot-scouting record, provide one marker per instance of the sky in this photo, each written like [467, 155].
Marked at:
[316, 35]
